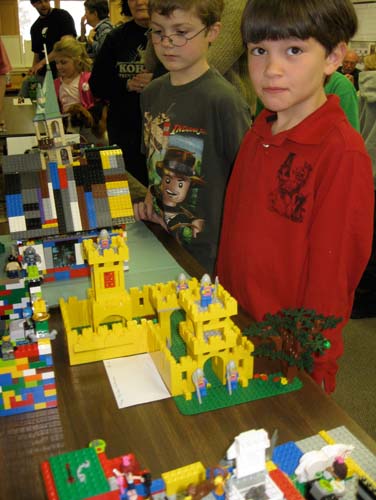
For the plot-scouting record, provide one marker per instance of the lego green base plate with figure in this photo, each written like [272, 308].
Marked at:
[264, 386]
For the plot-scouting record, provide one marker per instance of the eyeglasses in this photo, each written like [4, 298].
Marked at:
[176, 39]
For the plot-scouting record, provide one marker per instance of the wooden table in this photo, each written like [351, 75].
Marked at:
[157, 433]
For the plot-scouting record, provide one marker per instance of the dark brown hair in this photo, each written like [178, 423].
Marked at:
[327, 21]
[98, 6]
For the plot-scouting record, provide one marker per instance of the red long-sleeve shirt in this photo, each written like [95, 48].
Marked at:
[298, 221]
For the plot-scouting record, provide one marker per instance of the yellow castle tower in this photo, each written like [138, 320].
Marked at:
[108, 297]
[112, 323]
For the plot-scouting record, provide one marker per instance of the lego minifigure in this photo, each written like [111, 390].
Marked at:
[30, 256]
[103, 241]
[13, 267]
[232, 376]
[206, 291]
[182, 282]
[7, 349]
[200, 383]
[317, 461]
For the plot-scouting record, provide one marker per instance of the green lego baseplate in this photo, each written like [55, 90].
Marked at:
[82, 476]
[217, 394]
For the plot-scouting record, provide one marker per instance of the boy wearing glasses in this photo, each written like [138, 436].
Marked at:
[194, 121]
[297, 223]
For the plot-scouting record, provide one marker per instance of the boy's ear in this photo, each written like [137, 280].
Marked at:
[213, 31]
[335, 58]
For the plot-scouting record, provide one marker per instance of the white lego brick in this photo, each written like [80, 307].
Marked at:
[29, 372]
[75, 211]
[15, 286]
[78, 254]
[52, 207]
[17, 224]
[44, 350]
[48, 375]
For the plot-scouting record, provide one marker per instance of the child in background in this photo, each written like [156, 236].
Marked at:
[297, 224]
[73, 66]
[86, 116]
[194, 121]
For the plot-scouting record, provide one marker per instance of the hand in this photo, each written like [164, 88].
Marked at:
[83, 23]
[350, 77]
[90, 37]
[139, 82]
[38, 66]
[144, 211]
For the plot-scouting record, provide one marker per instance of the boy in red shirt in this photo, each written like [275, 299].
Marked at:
[297, 223]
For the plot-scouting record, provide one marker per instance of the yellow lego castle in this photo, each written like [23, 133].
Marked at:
[113, 322]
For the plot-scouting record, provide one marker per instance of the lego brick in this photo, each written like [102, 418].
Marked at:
[69, 225]
[286, 457]
[78, 474]
[21, 163]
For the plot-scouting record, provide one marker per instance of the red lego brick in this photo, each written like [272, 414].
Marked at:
[48, 387]
[285, 485]
[49, 279]
[18, 404]
[63, 178]
[80, 273]
[29, 351]
[49, 483]
[111, 495]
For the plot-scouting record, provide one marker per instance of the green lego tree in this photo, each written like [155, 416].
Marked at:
[292, 336]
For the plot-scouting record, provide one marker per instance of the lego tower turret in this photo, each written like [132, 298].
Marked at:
[49, 124]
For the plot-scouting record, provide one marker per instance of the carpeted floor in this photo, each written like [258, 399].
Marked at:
[356, 391]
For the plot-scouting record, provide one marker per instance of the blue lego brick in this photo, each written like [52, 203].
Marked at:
[47, 244]
[62, 275]
[286, 457]
[5, 379]
[158, 485]
[90, 207]
[49, 381]
[50, 399]
[54, 175]
[14, 205]
[37, 393]
[47, 358]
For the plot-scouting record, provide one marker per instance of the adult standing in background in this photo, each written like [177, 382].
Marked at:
[51, 25]
[5, 68]
[365, 295]
[349, 68]
[118, 76]
[340, 85]
[96, 16]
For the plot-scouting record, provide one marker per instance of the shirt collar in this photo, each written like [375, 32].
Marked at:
[312, 130]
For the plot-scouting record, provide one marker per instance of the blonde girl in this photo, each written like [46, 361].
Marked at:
[73, 66]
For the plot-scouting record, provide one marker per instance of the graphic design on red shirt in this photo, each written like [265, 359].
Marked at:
[289, 198]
